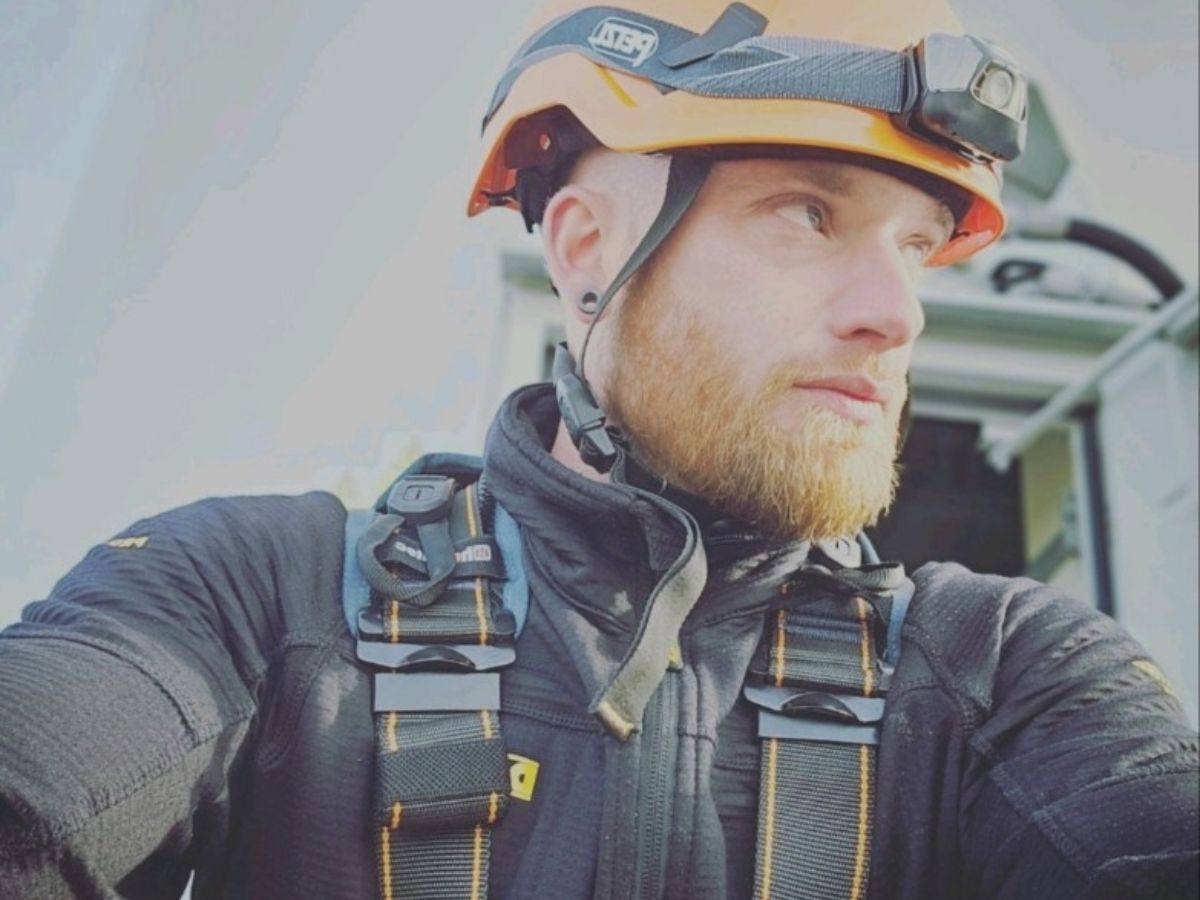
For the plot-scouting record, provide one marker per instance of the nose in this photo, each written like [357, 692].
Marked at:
[876, 306]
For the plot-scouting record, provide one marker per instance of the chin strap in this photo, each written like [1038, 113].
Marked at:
[621, 703]
[582, 415]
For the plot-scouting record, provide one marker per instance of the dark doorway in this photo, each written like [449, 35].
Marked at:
[951, 505]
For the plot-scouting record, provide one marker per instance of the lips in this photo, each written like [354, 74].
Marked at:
[856, 387]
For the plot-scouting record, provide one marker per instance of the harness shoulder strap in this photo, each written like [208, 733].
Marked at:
[356, 593]
[421, 592]
[820, 678]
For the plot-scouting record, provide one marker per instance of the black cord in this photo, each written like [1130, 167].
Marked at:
[1124, 247]
[1011, 272]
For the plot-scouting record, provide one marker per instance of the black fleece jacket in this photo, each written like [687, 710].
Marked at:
[188, 699]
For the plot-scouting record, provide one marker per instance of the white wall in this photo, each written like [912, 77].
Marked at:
[1147, 431]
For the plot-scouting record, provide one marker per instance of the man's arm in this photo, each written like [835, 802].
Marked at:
[1084, 780]
[129, 692]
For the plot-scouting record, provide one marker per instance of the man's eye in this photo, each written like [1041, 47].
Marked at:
[806, 213]
[918, 252]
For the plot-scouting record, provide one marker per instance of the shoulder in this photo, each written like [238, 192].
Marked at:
[240, 532]
[263, 556]
[990, 635]
[234, 520]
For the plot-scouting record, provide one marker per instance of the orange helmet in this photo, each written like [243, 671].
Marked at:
[896, 82]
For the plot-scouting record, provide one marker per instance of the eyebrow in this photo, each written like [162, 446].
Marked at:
[827, 177]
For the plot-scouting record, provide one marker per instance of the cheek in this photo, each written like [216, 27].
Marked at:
[729, 301]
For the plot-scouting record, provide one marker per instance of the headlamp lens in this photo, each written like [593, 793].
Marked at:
[999, 89]
[996, 88]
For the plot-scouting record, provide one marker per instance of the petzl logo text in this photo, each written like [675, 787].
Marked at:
[624, 40]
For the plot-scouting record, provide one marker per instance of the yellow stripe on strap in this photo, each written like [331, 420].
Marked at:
[493, 807]
[472, 526]
[772, 766]
[393, 744]
[780, 647]
[769, 824]
[385, 855]
[480, 596]
[864, 625]
[477, 863]
[481, 612]
[864, 757]
[864, 804]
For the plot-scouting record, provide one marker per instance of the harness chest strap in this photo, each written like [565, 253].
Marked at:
[441, 769]
[820, 684]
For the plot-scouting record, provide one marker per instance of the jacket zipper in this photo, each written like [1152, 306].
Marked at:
[659, 754]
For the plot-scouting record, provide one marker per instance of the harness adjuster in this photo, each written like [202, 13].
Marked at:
[421, 499]
[805, 714]
[436, 677]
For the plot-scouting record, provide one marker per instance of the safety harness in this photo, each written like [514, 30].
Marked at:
[435, 633]
[427, 591]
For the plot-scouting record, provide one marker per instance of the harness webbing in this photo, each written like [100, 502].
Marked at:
[441, 768]
[820, 681]
[819, 675]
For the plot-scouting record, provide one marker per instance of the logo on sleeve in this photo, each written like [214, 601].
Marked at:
[626, 41]
[1155, 674]
[129, 543]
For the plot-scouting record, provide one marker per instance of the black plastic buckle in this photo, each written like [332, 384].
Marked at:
[581, 413]
[436, 677]
[802, 714]
[455, 658]
[421, 499]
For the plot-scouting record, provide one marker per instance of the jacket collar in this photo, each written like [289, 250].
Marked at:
[609, 543]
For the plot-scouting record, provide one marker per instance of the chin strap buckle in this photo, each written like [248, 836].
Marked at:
[581, 414]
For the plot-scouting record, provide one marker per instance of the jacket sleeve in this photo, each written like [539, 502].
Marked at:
[128, 697]
[1083, 780]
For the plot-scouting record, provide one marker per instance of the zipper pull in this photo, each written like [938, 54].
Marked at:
[675, 657]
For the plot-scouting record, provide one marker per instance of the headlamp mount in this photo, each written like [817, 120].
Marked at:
[956, 91]
[965, 94]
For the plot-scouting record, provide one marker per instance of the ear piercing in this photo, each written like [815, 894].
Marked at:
[587, 302]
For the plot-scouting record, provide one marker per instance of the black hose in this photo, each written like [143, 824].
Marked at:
[1138, 255]
[1012, 272]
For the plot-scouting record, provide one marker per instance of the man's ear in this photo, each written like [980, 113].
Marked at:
[572, 237]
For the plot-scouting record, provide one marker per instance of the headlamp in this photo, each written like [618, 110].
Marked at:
[967, 94]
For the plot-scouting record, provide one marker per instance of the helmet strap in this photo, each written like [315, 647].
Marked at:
[580, 411]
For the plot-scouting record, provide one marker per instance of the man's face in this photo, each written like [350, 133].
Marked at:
[760, 360]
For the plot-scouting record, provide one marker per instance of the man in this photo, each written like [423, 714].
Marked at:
[715, 693]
